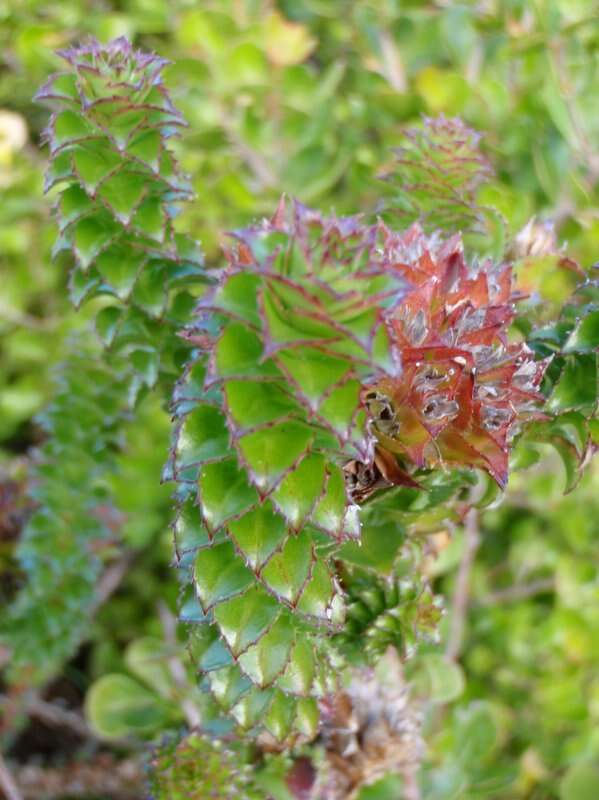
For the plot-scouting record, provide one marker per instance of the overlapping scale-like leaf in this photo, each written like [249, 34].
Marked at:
[118, 188]
[299, 320]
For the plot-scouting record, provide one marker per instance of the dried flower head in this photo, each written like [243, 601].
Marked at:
[370, 729]
[536, 238]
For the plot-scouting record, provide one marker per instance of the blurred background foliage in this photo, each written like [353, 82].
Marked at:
[310, 96]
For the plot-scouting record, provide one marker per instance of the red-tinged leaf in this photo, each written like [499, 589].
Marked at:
[463, 387]
[301, 778]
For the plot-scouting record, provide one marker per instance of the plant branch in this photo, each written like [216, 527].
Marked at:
[520, 591]
[7, 782]
[253, 159]
[411, 787]
[33, 706]
[54, 715]
[461, 598]
[111, 580]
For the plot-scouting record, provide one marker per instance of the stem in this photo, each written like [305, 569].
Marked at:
[54, 715]
[7, 782]
[111, 580]
[462, 591]
[252, 158]
[520, 591]
[32, 706]
[411, 787]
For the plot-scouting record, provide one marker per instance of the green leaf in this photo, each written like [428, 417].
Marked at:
[580, 782]
[270, 452]
[151, 288]
[117, 705]
[107, 323]
[300, 489]
[239, 352]
[280, 716]
[254, 403]
[122, 125]
[70, 127]
[387, 788]
[571, 460]
[340, 406]
[147, 660]
[252, 706]
[93, 161]
[224, 492]
[585, 336]
[207, 649]
[287, 571]
[378, 547]
[439, 679]
[476, 733]
[149, 219]
[264, 661]
[258, 534]
[90, 237]
[330, 512]
[220, 574]
[314, 372]
[228, 685]
[74, 203]
[286, 326]
[62, 87]
[318, 594]
[120, 267]
[577, 386]
[146, 363]
[146, 147]
[243, 620]
[298, 676]
[203, 437]
[190, 609]
[123, 193]
[190, 532]
[237, 297]
[307, 716]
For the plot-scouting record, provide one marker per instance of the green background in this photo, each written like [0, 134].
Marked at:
[310, 97]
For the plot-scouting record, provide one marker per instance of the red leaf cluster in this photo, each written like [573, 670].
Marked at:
[464, 386]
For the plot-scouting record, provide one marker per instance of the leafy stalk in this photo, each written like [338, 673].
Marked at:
[119, 188]
[61, 548]
[298, 322]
